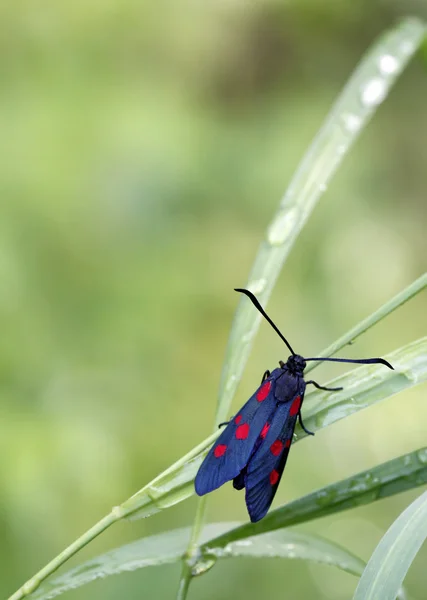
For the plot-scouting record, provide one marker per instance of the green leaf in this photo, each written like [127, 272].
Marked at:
[152, 551]
[366, 386]
[169, 547]
[289, 544]
[393, 477]
[394, 554]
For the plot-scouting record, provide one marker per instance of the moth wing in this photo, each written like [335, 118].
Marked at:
[232, 450]
[265, 468]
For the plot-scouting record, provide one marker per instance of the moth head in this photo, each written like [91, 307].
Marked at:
[295, 364]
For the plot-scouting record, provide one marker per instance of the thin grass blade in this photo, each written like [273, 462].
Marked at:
[169, 547]
[292, 545]
[394, 554]
[151, 551]
[366, 89]
[366, 386]
[399, 475]
[386, 309]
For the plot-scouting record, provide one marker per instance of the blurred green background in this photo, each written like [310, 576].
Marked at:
[143, 149]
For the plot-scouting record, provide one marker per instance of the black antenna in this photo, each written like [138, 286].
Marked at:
[264, 314]
[362, 361]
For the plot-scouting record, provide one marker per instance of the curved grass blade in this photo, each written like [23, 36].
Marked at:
[366, 89]
[169, 547]
[150, 551]
[394, 554]
[365, 386]
[406, 294]
[290, 544]
[399, 475]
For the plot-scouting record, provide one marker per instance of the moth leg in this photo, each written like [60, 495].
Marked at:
[224, 423]
[321, 387]
[265, 376]
[303, 426]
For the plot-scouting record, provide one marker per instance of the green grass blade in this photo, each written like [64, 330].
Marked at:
[169, 547]
[363, 387]
[150, 551]
[409, 292]
[292, 545]
[394, 554]
[365, 90]
[393, 477]
[154, 551]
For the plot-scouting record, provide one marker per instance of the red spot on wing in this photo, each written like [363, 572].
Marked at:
[219, 450]
[265, 430]
[274, 477]
[276, 447]
[238, 419]
[295, 406]
[242, 431]
[287, 443]
[263, 391]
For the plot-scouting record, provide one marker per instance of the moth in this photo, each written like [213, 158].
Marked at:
[253, 448]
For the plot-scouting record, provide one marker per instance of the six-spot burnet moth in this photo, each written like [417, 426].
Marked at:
[254, 446]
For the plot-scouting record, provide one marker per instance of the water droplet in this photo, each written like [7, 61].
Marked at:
[117, 512]
[358, 485]
[246, 338]
[326, 497]
[30, 586]
[420, 478]
[243, 543]
[203, 565]
[321, 498]
[153, 492]
[370, 481]
[388, 64]
[282, 226]
[373, 92]
[257, 286]
[222, 552]
[407, 460]
[352, 122]
[323, 187]
[422, 455]
[407, 47]
[230, 383]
